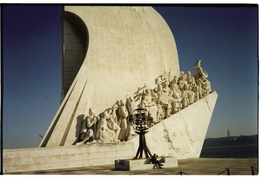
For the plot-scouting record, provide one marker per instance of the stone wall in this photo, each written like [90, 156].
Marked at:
[32, 159]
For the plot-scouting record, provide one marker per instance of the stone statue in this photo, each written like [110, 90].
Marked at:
[176, 94]
[166, 99]
[139, 93]
[176, 106]
[88, 128]
[131, 105]
[149, 104]
[197, 92]
[177, 102]
[199, 72]
[185, 99]
[183, 85]
[173, 84]
[104, 133]
[190, 80]
[122, 115]
[156, 94]
[165, 77]
[114, 117]
[160, 113]
[112, 125]
[200, 77]
[191, 96]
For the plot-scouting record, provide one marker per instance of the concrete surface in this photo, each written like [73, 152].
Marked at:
[200, 166]
[143, 164]
[34, 159]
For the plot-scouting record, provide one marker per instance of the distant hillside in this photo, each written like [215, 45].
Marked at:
[231, 147]
[227, 141]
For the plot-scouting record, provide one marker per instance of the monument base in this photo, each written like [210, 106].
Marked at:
[144, 164]
[49, 158]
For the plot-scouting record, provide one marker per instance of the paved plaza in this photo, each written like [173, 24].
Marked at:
[200, 166]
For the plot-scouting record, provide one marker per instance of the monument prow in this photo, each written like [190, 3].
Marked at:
[182, 135]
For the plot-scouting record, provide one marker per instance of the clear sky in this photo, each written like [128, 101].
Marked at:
[223, 38]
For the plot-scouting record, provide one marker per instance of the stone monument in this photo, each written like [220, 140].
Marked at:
[115, 60]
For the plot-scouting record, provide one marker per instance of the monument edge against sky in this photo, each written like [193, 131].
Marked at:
[125, 48]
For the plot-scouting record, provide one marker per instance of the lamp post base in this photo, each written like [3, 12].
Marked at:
[142, 146]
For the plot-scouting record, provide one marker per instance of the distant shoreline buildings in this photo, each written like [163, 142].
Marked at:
[228, 133]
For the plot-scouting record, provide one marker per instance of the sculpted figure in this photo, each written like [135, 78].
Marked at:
[104, 133]
[176, 106]
[114, 117]
[159, 96]
[139, 93]
[122, 115]
[166, 77]
[191, 97]
[88, 127]
[185, 99]
[206, 88]
[131, 105]
[112, 125]
[200, 77]
[174, 84]
[199, 72]
[190, 80]
[163, 78]
[197, 92]
[156, 94]
[149, 104]
[166, 89]
[166, 99]
[183, 84]
[176, 94]
[177, 102]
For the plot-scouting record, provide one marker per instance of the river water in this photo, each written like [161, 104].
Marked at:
[232, 151]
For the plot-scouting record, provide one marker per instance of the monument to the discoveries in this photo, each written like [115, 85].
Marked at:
[117, 59]
[122, 48]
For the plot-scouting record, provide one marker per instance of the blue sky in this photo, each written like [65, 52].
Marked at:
[224, 38]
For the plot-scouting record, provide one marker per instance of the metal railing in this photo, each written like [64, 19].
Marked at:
[254, 171]
[228, 172]
[181, 173]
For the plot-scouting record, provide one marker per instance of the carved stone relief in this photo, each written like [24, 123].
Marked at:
[167, 98]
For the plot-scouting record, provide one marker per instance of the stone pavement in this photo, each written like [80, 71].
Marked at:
[199, 166]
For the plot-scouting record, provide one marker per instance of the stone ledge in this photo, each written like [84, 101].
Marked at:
[144, 164]
[33, 159]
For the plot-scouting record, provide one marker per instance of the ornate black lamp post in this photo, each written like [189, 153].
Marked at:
[140, 118]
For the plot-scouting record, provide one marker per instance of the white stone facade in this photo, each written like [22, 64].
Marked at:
[128, 47]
